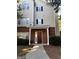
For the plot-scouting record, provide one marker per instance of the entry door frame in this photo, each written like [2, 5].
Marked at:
[41, 37]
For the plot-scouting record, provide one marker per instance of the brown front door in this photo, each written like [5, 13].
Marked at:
[39, 37]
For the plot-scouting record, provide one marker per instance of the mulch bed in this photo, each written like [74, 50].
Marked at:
[20, 48]
[54, 52]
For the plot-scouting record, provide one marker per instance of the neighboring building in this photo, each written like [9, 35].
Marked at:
[39, 22]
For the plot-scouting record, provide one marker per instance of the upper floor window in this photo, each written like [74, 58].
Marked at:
[24, 21]
[36, 8]
[25, 5]
[28, 21]
[39, 8]
[36, 21]
[39, 21]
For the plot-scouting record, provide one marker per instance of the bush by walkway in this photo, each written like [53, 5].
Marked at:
[55, 41]
[21, 41]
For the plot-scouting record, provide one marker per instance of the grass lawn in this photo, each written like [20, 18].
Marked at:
[22, 50]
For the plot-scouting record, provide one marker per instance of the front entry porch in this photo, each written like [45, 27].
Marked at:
[38, 36]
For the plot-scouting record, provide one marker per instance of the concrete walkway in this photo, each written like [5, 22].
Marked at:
[37, 52]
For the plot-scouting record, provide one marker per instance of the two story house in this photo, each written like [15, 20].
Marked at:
[39, 22]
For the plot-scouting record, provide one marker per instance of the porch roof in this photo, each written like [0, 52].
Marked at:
[39, 27]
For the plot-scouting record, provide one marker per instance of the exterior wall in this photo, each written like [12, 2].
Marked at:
[47, 14]
[22, 29]
[59, 25]
[51, 31]
[29, 13]
[23, 32]
[57, 32]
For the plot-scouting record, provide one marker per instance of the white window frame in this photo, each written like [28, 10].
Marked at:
[39, 21]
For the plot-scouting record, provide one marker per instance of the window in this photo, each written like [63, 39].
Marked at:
[36, 8]
[25, 21]
[25, 5]
[28, 21]
[41, 8]
[41, 21]
[36, 21]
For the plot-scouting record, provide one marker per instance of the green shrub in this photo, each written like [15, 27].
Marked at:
[21, 41]
[55, 40]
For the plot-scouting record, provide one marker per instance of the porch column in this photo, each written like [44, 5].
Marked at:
[48, 36]
[29, 36]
